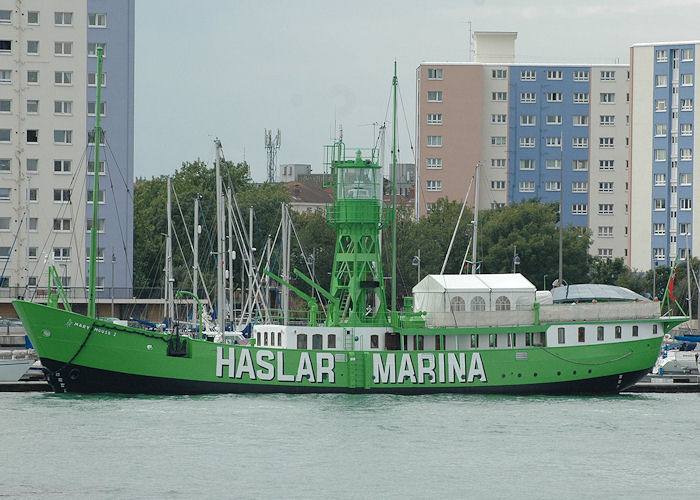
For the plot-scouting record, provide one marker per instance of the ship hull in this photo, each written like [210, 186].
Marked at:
[86, 356]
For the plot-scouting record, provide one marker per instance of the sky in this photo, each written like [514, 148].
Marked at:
[233, 68]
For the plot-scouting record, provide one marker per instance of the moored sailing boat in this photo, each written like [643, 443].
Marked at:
[477, 333]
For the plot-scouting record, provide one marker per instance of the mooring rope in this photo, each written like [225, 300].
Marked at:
[588, 364]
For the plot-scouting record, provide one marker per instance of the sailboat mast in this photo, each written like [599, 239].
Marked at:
[393, 204]
[195, 257]
[92, 313]
[169, 278]
[476, 217]
[220, 235]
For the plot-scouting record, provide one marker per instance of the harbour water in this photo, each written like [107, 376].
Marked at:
[313, 446]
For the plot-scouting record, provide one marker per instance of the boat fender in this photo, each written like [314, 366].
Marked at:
[74, 374]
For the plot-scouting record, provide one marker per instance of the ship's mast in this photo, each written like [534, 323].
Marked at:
[393, 205]
[220, 235]
[92, 313]
[476, 218]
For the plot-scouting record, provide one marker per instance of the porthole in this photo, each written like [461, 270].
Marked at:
[559, 373]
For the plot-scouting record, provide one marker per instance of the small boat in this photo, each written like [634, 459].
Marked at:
[11, 370]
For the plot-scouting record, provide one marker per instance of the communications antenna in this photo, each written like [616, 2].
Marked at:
[272, 146]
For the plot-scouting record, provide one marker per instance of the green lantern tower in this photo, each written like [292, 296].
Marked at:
[357, 284]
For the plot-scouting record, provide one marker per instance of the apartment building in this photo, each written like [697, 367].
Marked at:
[47, 112]
[555, 132]
[663, 146]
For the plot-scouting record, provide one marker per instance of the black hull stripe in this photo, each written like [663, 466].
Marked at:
[82, 379]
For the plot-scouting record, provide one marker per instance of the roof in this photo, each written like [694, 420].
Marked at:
[302, 193]
[591, 291]
[473, 283]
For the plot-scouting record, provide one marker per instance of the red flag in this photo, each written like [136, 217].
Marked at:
[670, 285]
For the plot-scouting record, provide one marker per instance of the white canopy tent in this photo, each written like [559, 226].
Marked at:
[439, 293]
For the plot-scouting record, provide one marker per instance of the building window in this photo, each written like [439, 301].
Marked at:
[579, 142]
[553, 164]
[606, 142]
[580, 97]
[659, 179]
[4, 223]
[92, 49]
[606, 164]
[527, 120]
[63, 137]
[5, 194]
[684, 228]
[553, 119]
[528, 97]
[433, 186]
[686, 154]
[62, 166]
[502, 303]
[661, 80]
[91, 105]
[500, 118]
[32, 136]
[499, 96]
[499, 74]
[101, 196]
[607, 76]
[687, 79]
[605, 231]
[685, 203]
[32, 106]
[605, 187]
[4, 251]
[555, 74]
[552, 186]
[5, 16]
[63, 107]
[92, 79]
[660, 130]
[607, 97]
[553, 141]
[430, 164]
[495, 204]
[61, 254]
[581, 76]
[661, 55]
[659, 254]
[660, 105]
[527, 186]
[435, 96]
[527, 142]
[686, 104]
[686, 129]
[607, 120]
[659, 155]
[555, 97]
[580, 165]
[61, 224]
[5, 46]
[686, 54]
[498, 140]
[5, 134]
[659, 204]
[685, 179]
[579, 187]
[63, 18]
[100, 21]
[5, 164]
[580, 120]
[33, 224]
[32, 165]
[103, 136]
[61, 195]
[63, 48]
[5, 76]
[498, 185]
[606, 209]
[5, 105]
[581, 333]
[659, 229]
[527, 164]
[528, 75]
[498, 162]
[434, 141]
[33, 47]
[33, 194]
[33, 17]
[100, 225]
[63, 77]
